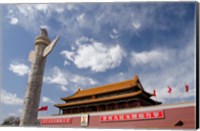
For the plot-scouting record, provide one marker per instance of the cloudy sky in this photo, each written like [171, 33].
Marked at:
[100, 43]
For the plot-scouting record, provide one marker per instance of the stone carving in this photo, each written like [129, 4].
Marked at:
[44, 32]
[43, 46]
[31, 57]
[50, 47]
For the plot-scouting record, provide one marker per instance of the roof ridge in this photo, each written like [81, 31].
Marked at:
[107, 85]
[72, 94]
[134, 80]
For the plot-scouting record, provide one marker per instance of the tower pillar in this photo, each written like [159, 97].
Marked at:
[43, 47]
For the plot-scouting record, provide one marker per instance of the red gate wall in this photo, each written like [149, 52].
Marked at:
[186, 114]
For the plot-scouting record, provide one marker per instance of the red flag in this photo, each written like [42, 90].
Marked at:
[154, 92]
[43, 108]
[186, 87]
[169, 89]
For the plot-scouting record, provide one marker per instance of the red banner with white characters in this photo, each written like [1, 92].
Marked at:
[133, 116]
[55, 121]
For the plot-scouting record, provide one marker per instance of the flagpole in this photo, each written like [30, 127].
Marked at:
[154, 94]
[170, 92]
[45, 114]
[169, 96]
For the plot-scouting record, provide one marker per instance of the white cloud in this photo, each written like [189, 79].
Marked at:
[95, 56]
[19, 68]
[66, 63]
[153, 57]
[80, 18]
[66, 79]
[67, 54]
[42, 7]
[176, 77]
[32, 9]
[47, 100]
[13, 20]
[83, 40]
[9, 98]
[177, 93]
[177, 71]
[30, 16]
[58, 77]
[60, 10]
[136, 25]
[23, 9]
[82, 80]
[115, 31]
[63, 88]
[171, 66]
[114, 34]
[70, 7]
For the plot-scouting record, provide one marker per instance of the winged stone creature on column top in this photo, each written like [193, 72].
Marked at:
[44, 32]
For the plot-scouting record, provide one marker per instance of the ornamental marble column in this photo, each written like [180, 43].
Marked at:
[43, 46]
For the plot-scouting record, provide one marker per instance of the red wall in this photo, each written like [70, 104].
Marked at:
[171, 116]
[186, 115]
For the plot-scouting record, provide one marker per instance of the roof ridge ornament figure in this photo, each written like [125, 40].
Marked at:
[37, 57]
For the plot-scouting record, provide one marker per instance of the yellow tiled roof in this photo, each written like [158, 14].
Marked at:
[120, 86]
[104, 99]
[104, 89]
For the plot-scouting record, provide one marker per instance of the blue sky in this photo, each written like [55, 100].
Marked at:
[100, 43]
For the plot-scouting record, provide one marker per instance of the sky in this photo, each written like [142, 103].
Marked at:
[100, 43]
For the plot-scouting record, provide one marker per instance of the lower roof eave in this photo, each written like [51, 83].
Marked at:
[100, 100]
